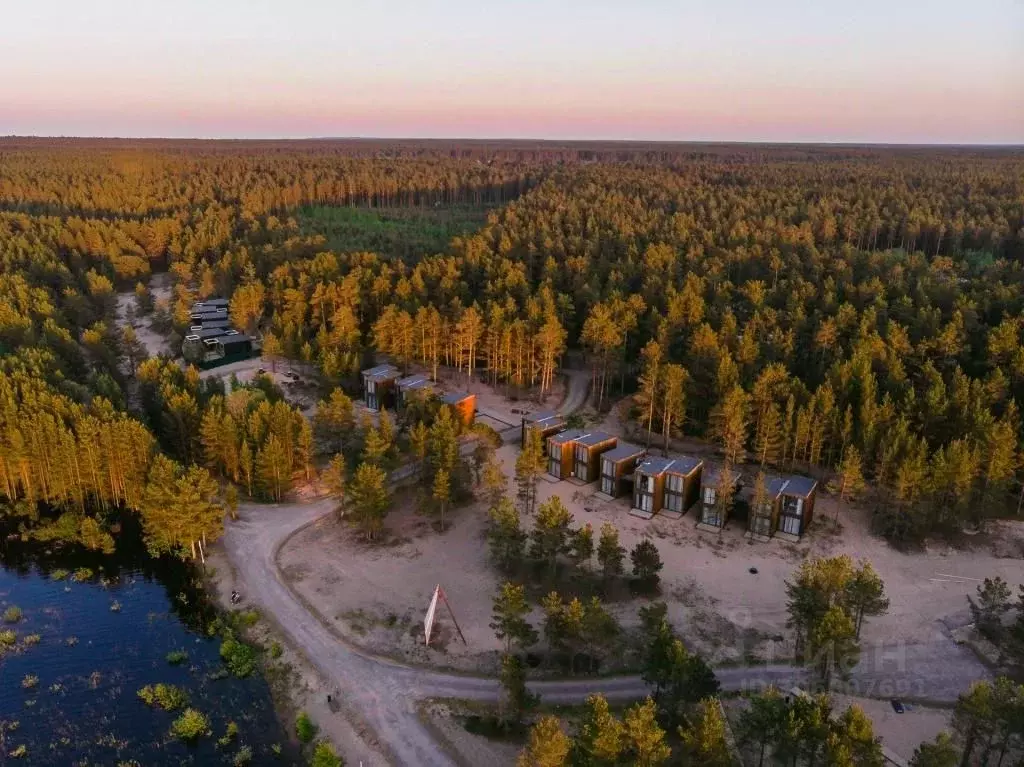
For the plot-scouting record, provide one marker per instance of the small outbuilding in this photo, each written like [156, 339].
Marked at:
[589, 448]
[464, 405]
[379, 386]
[797, 506]
[669, 484]
[717, 496]
[618, 466]
[545, 423]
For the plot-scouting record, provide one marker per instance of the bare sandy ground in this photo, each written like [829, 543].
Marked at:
[155, 343]
[465, 748]
[376, 594]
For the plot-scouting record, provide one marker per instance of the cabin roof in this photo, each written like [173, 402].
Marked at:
[413, 382]
[562, 438]
[220, 321]
[800, 487]
[229, 339]
[622, 451]
[206, 332]
[385, 371]
[543, 418]
[455, 397]
[711, 477]
[590, 439]
[684, 465]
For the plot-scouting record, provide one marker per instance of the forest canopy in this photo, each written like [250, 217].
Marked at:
[848, 310]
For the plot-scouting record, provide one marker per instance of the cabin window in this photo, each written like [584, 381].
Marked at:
[675, 483]
[761, 525]
[712, 516]
[673, 502]
[791, 525]
[607, 468]
[710, 495]
[581, 454]
[371, 386]
[644, 502]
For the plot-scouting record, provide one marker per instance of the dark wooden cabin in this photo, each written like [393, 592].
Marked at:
[618, 466]
[763, 519]
[797, 506]
[379, 386]
[713, 514]
[411, 386]
[672, 484]
[589, 449]
[464, 405]
[561, 452]
[545, 423]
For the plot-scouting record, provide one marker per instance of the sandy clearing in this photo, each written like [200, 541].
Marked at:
[155, 343]
[376, 595]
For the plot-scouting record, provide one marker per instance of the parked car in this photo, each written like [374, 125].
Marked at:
[897, 706]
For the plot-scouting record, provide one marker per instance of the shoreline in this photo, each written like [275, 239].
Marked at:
[295, 685]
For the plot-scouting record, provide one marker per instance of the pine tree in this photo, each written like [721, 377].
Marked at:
[729, 424]
[493, 482]
[505, 536]
[273, 469]
[762, 724]
[649, 394]
[865, 595]
[518, 700]
[529, 467]
[581, 545]
[673, 401]
[441, 494]
[368, 499]
[550, 535]
[334, 478]
[644, 740]
[509, 613]
[942, 752]
[610, 554]
[705, 740]
[548, 746]
[600, 740]
[647, 564]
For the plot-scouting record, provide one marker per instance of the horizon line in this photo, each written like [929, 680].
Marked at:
[524, 139]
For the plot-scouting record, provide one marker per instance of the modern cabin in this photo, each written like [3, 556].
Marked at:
[464, 405]
[230, 346]
[546, 423]
[797, 506]
[379, 385]
[589, 448]
[763, 518]
[411, 386]
[618, 466]
[714, 510]
[561, 452]
[672, 484]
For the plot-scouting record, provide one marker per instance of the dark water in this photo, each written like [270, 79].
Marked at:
[91, 660]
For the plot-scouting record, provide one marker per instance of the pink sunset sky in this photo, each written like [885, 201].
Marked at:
[940, 72]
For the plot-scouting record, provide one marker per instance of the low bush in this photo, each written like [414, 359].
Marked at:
[12, 614]
[305, 730]
[239, 657]
[165, 696]
[190, 725]
[324, 756]
[176, 657]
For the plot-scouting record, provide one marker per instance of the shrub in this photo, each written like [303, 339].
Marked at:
[166, 696]
[249, 618]
[324, 756]
[7, 638]
[243, 757]
[29, 681]
[115, 606]
[31, 639]
[304, 728]
[190, 725]
[229, 735]
[275, 650]
[19, 752]
[239, 657]
[177, 657]
[59, 574]
[12, 614]
[82, 574]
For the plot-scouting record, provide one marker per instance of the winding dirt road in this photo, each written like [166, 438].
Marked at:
[385, 693]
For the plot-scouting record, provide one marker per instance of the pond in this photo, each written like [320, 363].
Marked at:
[93, 630]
